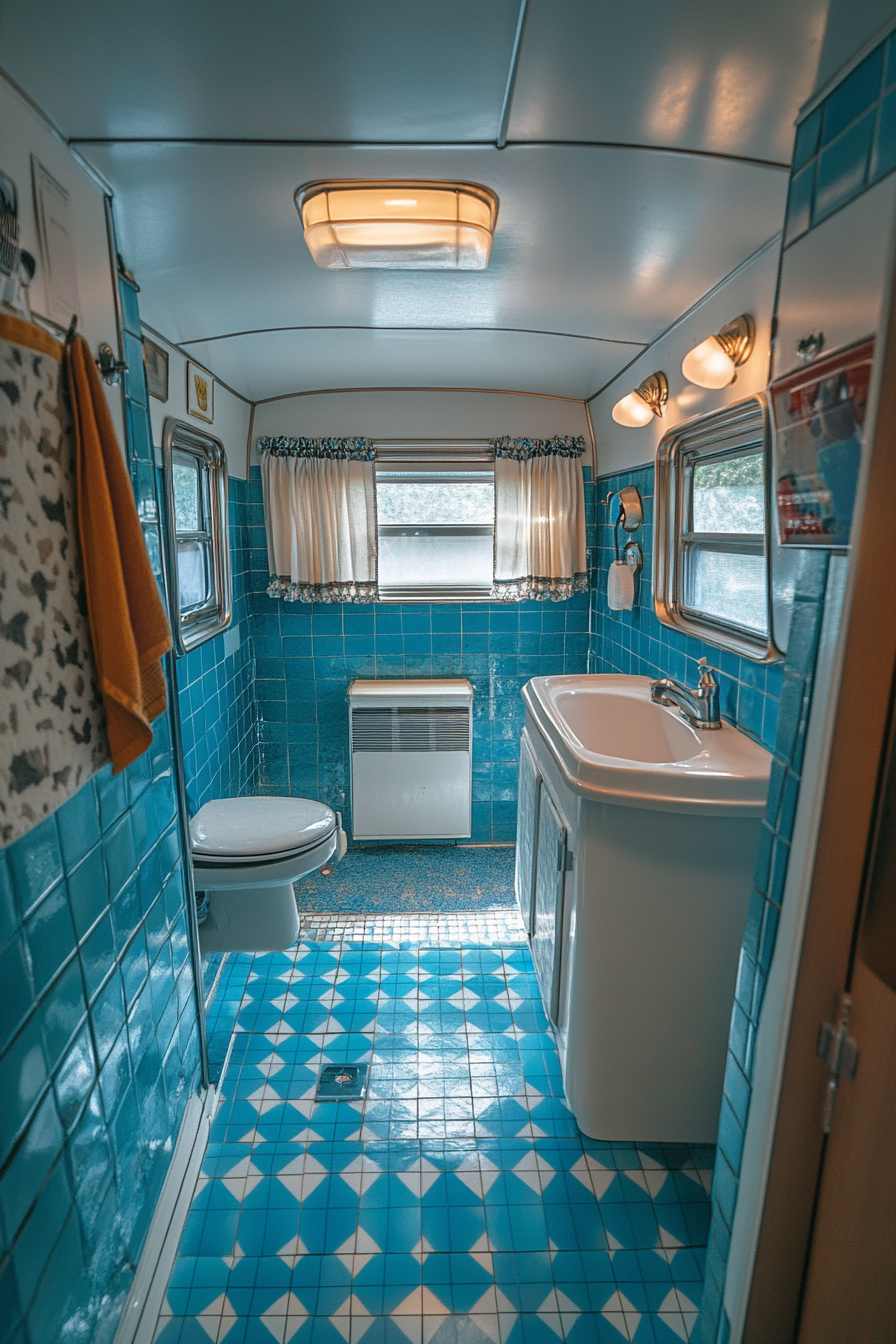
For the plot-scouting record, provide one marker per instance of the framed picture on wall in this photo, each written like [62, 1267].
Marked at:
[156, 361]
[200, 393]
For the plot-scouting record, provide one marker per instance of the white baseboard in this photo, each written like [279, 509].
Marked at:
[144, 1302]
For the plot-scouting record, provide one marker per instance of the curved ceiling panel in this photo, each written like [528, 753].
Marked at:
[723, 79]
[276, 363]
[280, 70]
[603, 243]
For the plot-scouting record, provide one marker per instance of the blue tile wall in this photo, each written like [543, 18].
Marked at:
[636, 642]
[846, 144]
[307, 654]
[216, 691]
[762, 927]
[99, 1043]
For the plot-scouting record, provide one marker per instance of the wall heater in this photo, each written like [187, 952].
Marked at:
[411, 746]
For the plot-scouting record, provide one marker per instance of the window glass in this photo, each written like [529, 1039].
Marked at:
[711, 575]
[729, 495]
[435, 533]
[729, 586]
[185, 476]
[193, 574]
[419, 501]
[199, 589]
[442, 561]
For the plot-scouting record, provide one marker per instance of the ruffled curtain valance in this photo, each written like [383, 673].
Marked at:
[320, 517]
[540, 549]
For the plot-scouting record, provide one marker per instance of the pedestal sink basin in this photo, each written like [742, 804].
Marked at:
[610, 741]
[637, 838]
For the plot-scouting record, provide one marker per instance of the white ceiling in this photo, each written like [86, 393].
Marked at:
[674, 113]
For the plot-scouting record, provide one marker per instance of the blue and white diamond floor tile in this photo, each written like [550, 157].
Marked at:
[458, 1203]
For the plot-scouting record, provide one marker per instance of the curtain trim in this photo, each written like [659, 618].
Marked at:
[359, 450]
[562, 445]
[345, 591]
[538, 588]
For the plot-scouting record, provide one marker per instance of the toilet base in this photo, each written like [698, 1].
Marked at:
[250, 919]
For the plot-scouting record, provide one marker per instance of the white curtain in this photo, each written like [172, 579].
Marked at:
[539, 519]
[320, 516]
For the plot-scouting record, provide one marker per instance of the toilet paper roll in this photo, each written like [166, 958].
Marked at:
[620, 587]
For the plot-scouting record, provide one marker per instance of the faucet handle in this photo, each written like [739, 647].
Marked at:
[707, 680]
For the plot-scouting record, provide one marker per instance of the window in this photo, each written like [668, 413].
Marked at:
[435, 521]
[198, 547]
[712, 530]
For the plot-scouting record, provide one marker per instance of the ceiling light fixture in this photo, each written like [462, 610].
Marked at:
[648, 400]
[429, 226]
[714, 362]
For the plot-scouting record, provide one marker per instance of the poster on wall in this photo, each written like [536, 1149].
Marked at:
[200, 393]
[819, 421]
[56, 231]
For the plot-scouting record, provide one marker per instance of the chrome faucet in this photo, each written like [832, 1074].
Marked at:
[699, 708]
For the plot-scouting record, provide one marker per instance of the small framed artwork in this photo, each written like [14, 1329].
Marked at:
[156, 361]
[200, 393]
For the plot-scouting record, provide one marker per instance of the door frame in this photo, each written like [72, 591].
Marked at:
[847, 816]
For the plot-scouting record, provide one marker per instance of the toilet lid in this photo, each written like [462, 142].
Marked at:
[243, 827]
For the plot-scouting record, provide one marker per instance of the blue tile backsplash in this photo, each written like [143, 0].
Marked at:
[636, 642]
[307, 654]
[216, 692]
[99, 1033]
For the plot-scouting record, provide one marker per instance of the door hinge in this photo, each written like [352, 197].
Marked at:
[841, 1054]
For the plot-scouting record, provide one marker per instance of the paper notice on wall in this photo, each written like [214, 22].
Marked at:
[56, 228]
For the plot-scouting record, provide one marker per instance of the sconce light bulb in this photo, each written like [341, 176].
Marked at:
[633, 411]
[708, 365]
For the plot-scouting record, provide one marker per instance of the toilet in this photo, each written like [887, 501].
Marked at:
[247, 853]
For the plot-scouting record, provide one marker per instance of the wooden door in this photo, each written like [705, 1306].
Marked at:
[850, 1295]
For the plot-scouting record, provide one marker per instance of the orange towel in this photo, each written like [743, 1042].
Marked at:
[127, 620]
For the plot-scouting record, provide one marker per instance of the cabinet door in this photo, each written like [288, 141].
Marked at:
[550, 868]
[526, 833]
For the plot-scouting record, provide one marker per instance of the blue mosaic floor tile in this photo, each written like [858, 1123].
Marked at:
[414, 878]
[458, 1203]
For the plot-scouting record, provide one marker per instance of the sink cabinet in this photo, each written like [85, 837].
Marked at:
[635, 915]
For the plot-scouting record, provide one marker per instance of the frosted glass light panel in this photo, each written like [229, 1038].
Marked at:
[725, 569]
[431, 226]
[435, 534]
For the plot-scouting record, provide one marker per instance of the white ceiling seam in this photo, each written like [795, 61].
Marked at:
[633, 175]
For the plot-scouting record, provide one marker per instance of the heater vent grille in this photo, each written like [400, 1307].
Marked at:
[400, 729]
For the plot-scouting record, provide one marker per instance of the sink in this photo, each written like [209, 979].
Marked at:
[637, 838]
[610, 741]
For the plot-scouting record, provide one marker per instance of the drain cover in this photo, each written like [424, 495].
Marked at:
[342, 1082]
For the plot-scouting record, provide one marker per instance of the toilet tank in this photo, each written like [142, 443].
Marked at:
[411, 753]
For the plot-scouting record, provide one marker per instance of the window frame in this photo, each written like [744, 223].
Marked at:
[194, 625]
[735, 431]
[397, 457]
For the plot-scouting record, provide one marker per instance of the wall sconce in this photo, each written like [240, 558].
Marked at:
[647, 400]
[714, 362]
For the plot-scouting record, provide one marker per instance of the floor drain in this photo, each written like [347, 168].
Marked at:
[342, 1082]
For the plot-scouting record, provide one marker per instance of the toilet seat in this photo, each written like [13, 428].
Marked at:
[236, 831]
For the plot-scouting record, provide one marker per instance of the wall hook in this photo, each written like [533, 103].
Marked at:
[110, 368]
